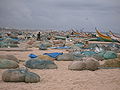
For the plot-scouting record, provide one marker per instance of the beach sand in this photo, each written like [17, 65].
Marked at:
[62, 78]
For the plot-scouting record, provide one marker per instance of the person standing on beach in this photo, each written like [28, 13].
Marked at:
[39, 36]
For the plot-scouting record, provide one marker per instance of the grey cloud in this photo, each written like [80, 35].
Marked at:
[60, 14]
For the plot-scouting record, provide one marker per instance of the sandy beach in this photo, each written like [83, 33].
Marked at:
[59, 45]
[62, 78]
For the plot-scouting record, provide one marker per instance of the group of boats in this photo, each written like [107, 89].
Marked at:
[111, 37]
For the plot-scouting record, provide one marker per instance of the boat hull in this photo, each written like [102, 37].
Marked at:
[104, 37]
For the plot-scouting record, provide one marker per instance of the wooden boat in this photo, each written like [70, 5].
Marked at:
[80, 35]
[60, 37]
[114, 36]
[75, 33]
[103, 36]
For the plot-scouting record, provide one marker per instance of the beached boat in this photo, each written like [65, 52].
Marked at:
[75, 33]
[113, 36]
[103, 36]
[60, 37]
[78, 34]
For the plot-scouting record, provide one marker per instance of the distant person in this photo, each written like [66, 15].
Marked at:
[39, 36]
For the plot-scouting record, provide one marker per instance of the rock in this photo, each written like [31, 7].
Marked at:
[31, 77]
[9, 57]
[65, 57]
[110, 55]
[86, 64]
[40, 64]
[13, 76]
[112, 63]
[20, 75]
[91, 64]
[7, 64]
[77, 65]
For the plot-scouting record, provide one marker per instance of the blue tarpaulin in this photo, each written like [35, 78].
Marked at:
[53, 55]
[32, 56]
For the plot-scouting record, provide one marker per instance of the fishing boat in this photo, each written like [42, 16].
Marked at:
[75, 33]
[115, 37]
[103, 36]
[80, 34]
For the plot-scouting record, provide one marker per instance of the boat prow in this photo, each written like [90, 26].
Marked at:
[103, 36]
[114, 36]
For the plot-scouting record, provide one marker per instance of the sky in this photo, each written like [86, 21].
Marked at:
[61, 14]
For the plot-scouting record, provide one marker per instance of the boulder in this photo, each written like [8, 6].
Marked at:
[13, 76]
[86, 64]
[91, 64]
[77, 65]
[112, 63]
[20, 75]
[7, 64]
[40, 64]
[31, 77]
[9, 57]
[110, 55]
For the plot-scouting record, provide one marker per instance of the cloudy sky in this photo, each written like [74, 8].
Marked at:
[61, 14]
